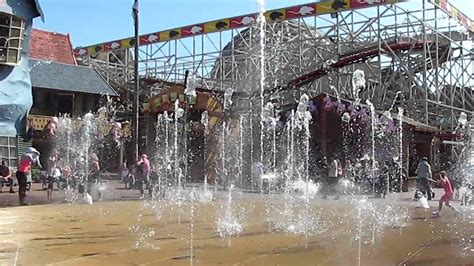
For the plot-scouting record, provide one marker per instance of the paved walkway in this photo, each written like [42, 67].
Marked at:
[37, 196]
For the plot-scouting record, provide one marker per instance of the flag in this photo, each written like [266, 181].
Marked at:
[135, 8]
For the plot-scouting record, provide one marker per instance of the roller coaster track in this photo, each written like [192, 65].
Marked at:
[357, 56]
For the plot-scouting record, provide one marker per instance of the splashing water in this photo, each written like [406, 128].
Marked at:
[144, 234]
[262, 24]
[228, 98]
[397, 96]
[462, 120]
[178, 113]
[306, 189]
[229, 224]
[358, 83]
[241, 151]
[372, 156]
[191, 87]
[400, 148]
[205, 122]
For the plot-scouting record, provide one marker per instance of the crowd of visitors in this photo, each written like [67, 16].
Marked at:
[370, 177]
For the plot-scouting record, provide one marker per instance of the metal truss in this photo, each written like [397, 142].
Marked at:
[413, 48]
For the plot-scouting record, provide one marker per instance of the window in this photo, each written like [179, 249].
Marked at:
[11, 39]
[9, 151]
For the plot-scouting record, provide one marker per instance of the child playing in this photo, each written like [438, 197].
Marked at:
[448, 192]
[53, 177]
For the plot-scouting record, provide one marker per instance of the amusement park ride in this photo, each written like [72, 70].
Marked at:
[422, 49]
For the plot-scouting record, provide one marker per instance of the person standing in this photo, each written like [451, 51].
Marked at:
[140, 173]
[146, 172]
[423, 172]
[50, 165]
[53, 176]
[124, 174]
[7, 176]
[29, 158]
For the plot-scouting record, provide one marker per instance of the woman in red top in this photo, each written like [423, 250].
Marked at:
[29, 158]
[448, 192]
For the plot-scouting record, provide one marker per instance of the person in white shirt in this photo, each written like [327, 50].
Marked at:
[53, 176]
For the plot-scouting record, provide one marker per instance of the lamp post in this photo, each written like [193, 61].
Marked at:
[136, 95]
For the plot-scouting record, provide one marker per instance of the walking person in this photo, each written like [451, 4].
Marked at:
[423, 172]
[53, 177]
[448, 192]
[30, 158]
[50, 167]
[124, 174]
[6, 176]
[146, 173]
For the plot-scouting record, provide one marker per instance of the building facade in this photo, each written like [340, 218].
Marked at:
[16, 20]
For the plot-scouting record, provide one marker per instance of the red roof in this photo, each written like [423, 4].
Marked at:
[51, 46]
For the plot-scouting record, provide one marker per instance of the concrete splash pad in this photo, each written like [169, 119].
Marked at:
[135, 233]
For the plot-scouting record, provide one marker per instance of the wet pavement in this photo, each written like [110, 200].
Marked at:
[126, 231]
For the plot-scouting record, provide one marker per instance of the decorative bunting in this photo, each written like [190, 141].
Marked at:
[300, 11]
[112, 45]
[217, 25]
[332, 6]
[275, 15]
[128, 43]
[192, 30]
[242, 21]
[311, 9]
[150, 38]
[170, 34]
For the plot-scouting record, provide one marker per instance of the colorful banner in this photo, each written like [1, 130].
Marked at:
[300, 11]
[275, 15]
[217, 25]
[333, 6]
[170, 34]
[192, 30]
[455, 13]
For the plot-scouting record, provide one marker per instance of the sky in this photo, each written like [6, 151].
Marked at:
[95, 21]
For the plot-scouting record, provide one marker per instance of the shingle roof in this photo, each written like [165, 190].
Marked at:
[65, 77]
[51, 46]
